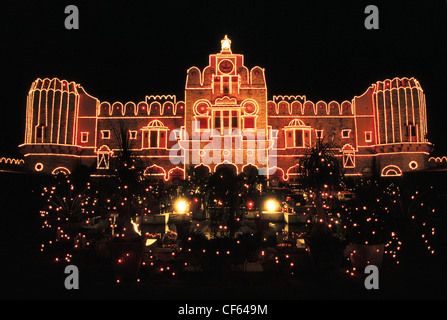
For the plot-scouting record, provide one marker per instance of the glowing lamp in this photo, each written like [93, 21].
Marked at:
[271, 205]
[181, 206]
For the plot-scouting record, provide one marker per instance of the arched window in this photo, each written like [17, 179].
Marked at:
[154, 135]
[297, 134]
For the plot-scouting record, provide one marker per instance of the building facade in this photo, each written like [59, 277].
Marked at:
[226, 118]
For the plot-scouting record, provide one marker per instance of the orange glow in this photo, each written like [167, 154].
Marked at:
[228, 101]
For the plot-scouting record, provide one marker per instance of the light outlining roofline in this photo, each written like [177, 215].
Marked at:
[396, 104]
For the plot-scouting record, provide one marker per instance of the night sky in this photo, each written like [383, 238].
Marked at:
[125, 50]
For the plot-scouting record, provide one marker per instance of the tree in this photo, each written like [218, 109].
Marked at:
[222, 189]
[321, 172]
[128, 177]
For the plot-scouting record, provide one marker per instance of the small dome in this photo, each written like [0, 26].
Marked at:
[296, 123]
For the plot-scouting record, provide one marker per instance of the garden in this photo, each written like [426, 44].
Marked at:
[222, 223]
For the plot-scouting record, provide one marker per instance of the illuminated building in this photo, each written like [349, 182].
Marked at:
[381, 131]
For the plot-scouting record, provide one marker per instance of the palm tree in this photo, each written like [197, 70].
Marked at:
[321, 172]
[128, 178]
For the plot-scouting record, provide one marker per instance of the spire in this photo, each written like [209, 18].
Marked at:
[225, 45]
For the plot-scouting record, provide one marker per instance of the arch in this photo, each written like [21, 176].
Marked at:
[272, 108]
[250, 106]
[293, 172]
[155, 172]
[226, 166]
[284, 107]
[202, 170]
[309, 108]
[438, 159]
[334, 108]
[347, 147]
[59, 170]
[391, 171]
[117, 108]
[201, 107]
[297, 107]
[346, 108]
[194, 77]
[321, 108]
[12, 161]
[176, 172]
[297, 134]
[104, 109]
[276, 172]
[249, 169]
[130, 109]
[257, 76]
[104, 148]
[142, 108]
[168, 108]
[180, 108]
[155, 108]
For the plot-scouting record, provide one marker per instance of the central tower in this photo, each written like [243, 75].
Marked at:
[225, 114]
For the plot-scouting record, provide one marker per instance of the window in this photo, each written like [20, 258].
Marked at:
[133, 134]
[105, 134]
[217, 120]
[84, 137]
[297, 134]
[368, 136]
[226, 120]
[348, 156]
[299, 138]
[153, 139]
[202, 123]
[413, 133]
[319, 134]
[249, 122]
[162, 138]
[234, 121]
[177, 133]
[226, 84]
[103, 157]
[348, 159]
[40, 133]
[345, 133]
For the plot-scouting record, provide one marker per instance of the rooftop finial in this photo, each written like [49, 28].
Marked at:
[225, 45]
